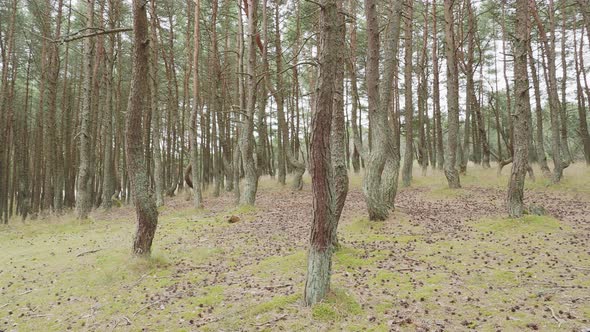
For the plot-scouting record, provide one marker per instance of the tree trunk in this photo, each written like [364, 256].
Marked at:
[354, 113]
[145, 206]
[327, 155]
[563, 113]
[83, 199]
[436, 92]
[409, 106]
[382, 159]
[554, 105]
[154, 106]
[246, 139]
[582, 114]
[541, 157]
[108, 180]
[452, 98]
[521, 118]
[197, 197]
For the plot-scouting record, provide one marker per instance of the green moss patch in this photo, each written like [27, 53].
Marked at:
[337, 305]
[526, 224]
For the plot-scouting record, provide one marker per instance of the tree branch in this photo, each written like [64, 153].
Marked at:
[100, 32]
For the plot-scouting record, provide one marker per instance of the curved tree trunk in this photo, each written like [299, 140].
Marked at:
[327, 154]
[145, 206]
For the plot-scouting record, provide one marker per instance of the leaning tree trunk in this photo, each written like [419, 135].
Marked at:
[521, 118]
[327, 157]
[145, 206]
[452, 98]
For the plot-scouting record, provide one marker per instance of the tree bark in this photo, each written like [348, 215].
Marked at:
[582, 114]
[246, 139]
[382, 157]
[409, 105]
[197, 197]
[554, 105]
[145, 206]
[451, 171]
[515, 203]
[154, 107]
[541, 157]
[327, 157]
[83, 198]
[440, 160]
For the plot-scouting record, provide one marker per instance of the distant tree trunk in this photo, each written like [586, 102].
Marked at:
[585, 10]
[108, 180]
[541, 157]
[327, 155]
[282, 129]
[155, 110]
[452, 98]
[262, 130]
[422, 101]
[238, 117]
[354, 113]
[246, 139]
[22, 154]
[197, 197]
[521, 120]
[285, 156]
[83, 199]
[582, 114]
[409, 105]
[554, 105]
[472, 105]
[145, 206]
[6, 110]
[440, 153]
[563, 113]
[382, 156]
[508, 90]
[478, 114]
[52, 188]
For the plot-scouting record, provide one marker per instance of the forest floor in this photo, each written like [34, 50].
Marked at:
[445, 260]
